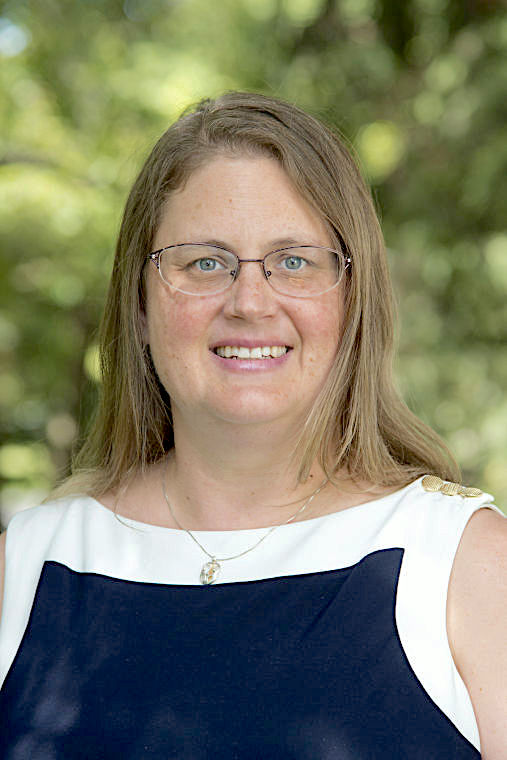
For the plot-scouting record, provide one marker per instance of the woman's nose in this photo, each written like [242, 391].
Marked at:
[250, 295]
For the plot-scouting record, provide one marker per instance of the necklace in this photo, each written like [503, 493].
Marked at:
[211, 569]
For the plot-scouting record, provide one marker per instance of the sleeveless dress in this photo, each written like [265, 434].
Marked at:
[326, 642]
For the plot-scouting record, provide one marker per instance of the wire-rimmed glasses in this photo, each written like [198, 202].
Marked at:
[202, 269]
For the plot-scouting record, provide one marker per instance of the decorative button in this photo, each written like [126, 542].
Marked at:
[432, 483]
[470, 491]
[435, 484]
[450, 489]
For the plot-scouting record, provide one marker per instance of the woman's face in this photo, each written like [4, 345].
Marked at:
[251, 207]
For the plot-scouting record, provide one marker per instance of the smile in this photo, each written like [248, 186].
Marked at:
[256, 352]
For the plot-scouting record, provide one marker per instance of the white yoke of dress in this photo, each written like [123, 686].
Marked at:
[327, 641]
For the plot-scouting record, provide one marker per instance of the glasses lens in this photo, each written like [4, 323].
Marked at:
[197, 269]
[304, 271]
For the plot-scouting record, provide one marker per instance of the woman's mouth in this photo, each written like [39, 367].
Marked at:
[231, 357]
[256, 352]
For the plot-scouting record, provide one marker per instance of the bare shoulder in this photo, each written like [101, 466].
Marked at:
[2, 567]
[477, 621]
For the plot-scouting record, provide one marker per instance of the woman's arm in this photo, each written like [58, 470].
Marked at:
[2, 569]
[477, 625]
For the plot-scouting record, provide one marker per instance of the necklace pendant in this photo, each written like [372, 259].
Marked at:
[209, 572]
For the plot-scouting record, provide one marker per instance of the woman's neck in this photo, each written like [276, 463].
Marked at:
[246, 477]
[200, 503]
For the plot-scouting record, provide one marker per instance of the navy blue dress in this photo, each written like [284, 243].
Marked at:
[325, 642]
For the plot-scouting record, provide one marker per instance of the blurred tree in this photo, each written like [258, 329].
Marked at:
[417, 88]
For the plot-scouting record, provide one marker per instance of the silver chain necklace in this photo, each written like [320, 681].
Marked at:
[211, 570]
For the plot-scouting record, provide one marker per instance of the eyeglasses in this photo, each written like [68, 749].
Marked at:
[201, 269]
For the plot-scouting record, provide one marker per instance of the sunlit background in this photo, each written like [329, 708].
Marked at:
[417, 87]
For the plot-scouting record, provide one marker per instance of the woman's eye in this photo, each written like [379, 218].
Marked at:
[294, 263]
[207, 265]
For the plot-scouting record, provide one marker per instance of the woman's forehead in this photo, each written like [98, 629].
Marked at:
[245, 197]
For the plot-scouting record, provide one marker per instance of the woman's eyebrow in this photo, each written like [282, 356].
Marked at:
[272, 245]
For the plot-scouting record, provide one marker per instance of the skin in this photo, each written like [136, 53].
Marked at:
[477, 625]
[222, 470]
[240, 202]
[223, 475]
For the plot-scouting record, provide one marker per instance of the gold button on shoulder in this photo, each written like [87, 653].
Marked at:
[471, 492]
[434, 484]
[450, 489]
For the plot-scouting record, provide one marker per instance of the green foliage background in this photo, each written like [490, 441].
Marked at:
[417, 87]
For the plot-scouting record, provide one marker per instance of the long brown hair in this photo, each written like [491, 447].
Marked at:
[359, 421]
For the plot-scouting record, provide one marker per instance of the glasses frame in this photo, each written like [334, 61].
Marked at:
[154, 257]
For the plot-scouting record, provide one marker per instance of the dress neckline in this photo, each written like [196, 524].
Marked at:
[145, 527]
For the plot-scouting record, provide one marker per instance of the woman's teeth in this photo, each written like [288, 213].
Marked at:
[259, 352]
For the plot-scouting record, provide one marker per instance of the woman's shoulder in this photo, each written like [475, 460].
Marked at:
[46, 513]
[33, 528]
[30, 530]
[440, 503]
[428, 518]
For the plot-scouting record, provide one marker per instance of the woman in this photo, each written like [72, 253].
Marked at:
[253, 556]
